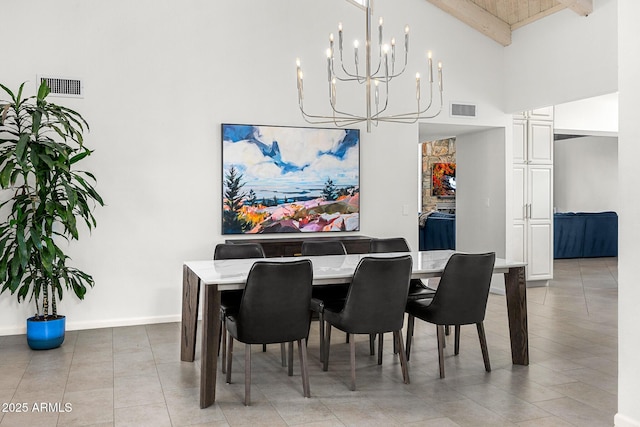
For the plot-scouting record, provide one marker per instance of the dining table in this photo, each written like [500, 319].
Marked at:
[211, 277]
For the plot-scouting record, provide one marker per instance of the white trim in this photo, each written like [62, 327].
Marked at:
[624, 421]
[111, 323]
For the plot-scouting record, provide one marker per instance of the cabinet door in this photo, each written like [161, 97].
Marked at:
[519, 182]
[545, 113]
[539, 251]
[540, 192]
[540, 222]
[519, 242]
[540, 142]
[519, 141]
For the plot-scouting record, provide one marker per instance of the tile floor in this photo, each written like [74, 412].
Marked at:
[132, 376]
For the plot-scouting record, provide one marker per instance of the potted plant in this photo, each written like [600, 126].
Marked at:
[42, 198]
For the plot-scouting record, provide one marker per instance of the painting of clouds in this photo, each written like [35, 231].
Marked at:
[289, 179]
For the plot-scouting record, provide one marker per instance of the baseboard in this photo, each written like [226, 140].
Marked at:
[97, 324]
[623, 421]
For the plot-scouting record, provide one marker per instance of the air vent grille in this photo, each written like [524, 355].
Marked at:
[463, 110]
[64, 86]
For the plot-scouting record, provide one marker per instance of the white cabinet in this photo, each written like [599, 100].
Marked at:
[532, 183]
[532, 141]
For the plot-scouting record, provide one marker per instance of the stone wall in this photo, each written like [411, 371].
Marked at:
[441, 151]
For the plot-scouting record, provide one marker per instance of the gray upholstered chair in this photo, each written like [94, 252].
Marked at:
[274, 309]
[375, 304]
[461, 299]
[321, 295]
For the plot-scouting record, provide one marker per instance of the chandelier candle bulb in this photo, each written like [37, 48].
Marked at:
[440, 75]
[329, 55]
[380, 31]
[406, 39]
[340, 36]
[430, 66]
[393, 52]
[356, 44]
[377, 94]
[418, 86]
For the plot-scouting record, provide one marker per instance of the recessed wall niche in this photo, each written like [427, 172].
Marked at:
[440, 151]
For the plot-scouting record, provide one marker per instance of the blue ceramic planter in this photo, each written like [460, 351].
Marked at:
[45, 334]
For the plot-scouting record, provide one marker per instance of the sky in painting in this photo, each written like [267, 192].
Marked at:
[291, 161]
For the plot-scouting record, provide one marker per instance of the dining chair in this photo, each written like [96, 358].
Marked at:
[274, 309]
[461, 299]
[375, 304]
[321, 295]
[417, 289]
[230, 299]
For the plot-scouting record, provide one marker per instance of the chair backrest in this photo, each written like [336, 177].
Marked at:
[377, 295]
[238, 251]
[461, 298]
[393, 244]
[323, 247]
[276, 302]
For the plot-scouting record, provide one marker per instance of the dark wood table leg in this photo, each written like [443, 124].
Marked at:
[209, 356]
[190, 300]
[516, 293]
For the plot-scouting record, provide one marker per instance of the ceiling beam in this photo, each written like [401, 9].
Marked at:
[581, 7]
[477, 18]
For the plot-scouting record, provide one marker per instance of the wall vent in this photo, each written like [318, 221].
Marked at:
[463, 110]
[65, 87]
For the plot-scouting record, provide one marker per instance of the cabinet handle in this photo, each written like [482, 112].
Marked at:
[529, 215]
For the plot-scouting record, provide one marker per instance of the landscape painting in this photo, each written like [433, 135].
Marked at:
[279, 179]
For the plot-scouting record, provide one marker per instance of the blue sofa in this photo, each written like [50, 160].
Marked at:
[585, 235]
[438, 232]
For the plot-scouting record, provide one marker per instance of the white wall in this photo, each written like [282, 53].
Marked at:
[586, 174]
[563, 57]
[629, 251]
[480, 198]
[591, 116]
[160, 76]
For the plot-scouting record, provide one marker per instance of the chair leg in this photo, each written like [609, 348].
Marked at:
[440, 335]
[264, 348]
[327, 347]
[283, 354]
[290, 362]
[410, 325]
[247, 374]
[446, 330]
[483, 346]
[380, 345]
[352, 358]
[229, 359]
[223, 337]
[304, 367]
[321, 326]
[456, 346]
[372, 344]
[397, 337]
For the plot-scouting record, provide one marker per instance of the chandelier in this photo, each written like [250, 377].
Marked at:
[374, 77]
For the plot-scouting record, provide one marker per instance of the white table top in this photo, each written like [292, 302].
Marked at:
[232, 274]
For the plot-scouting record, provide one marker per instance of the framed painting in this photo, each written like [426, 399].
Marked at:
[280, 179]
[443, 180]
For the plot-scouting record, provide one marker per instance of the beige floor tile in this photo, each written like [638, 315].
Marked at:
[154, 415]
